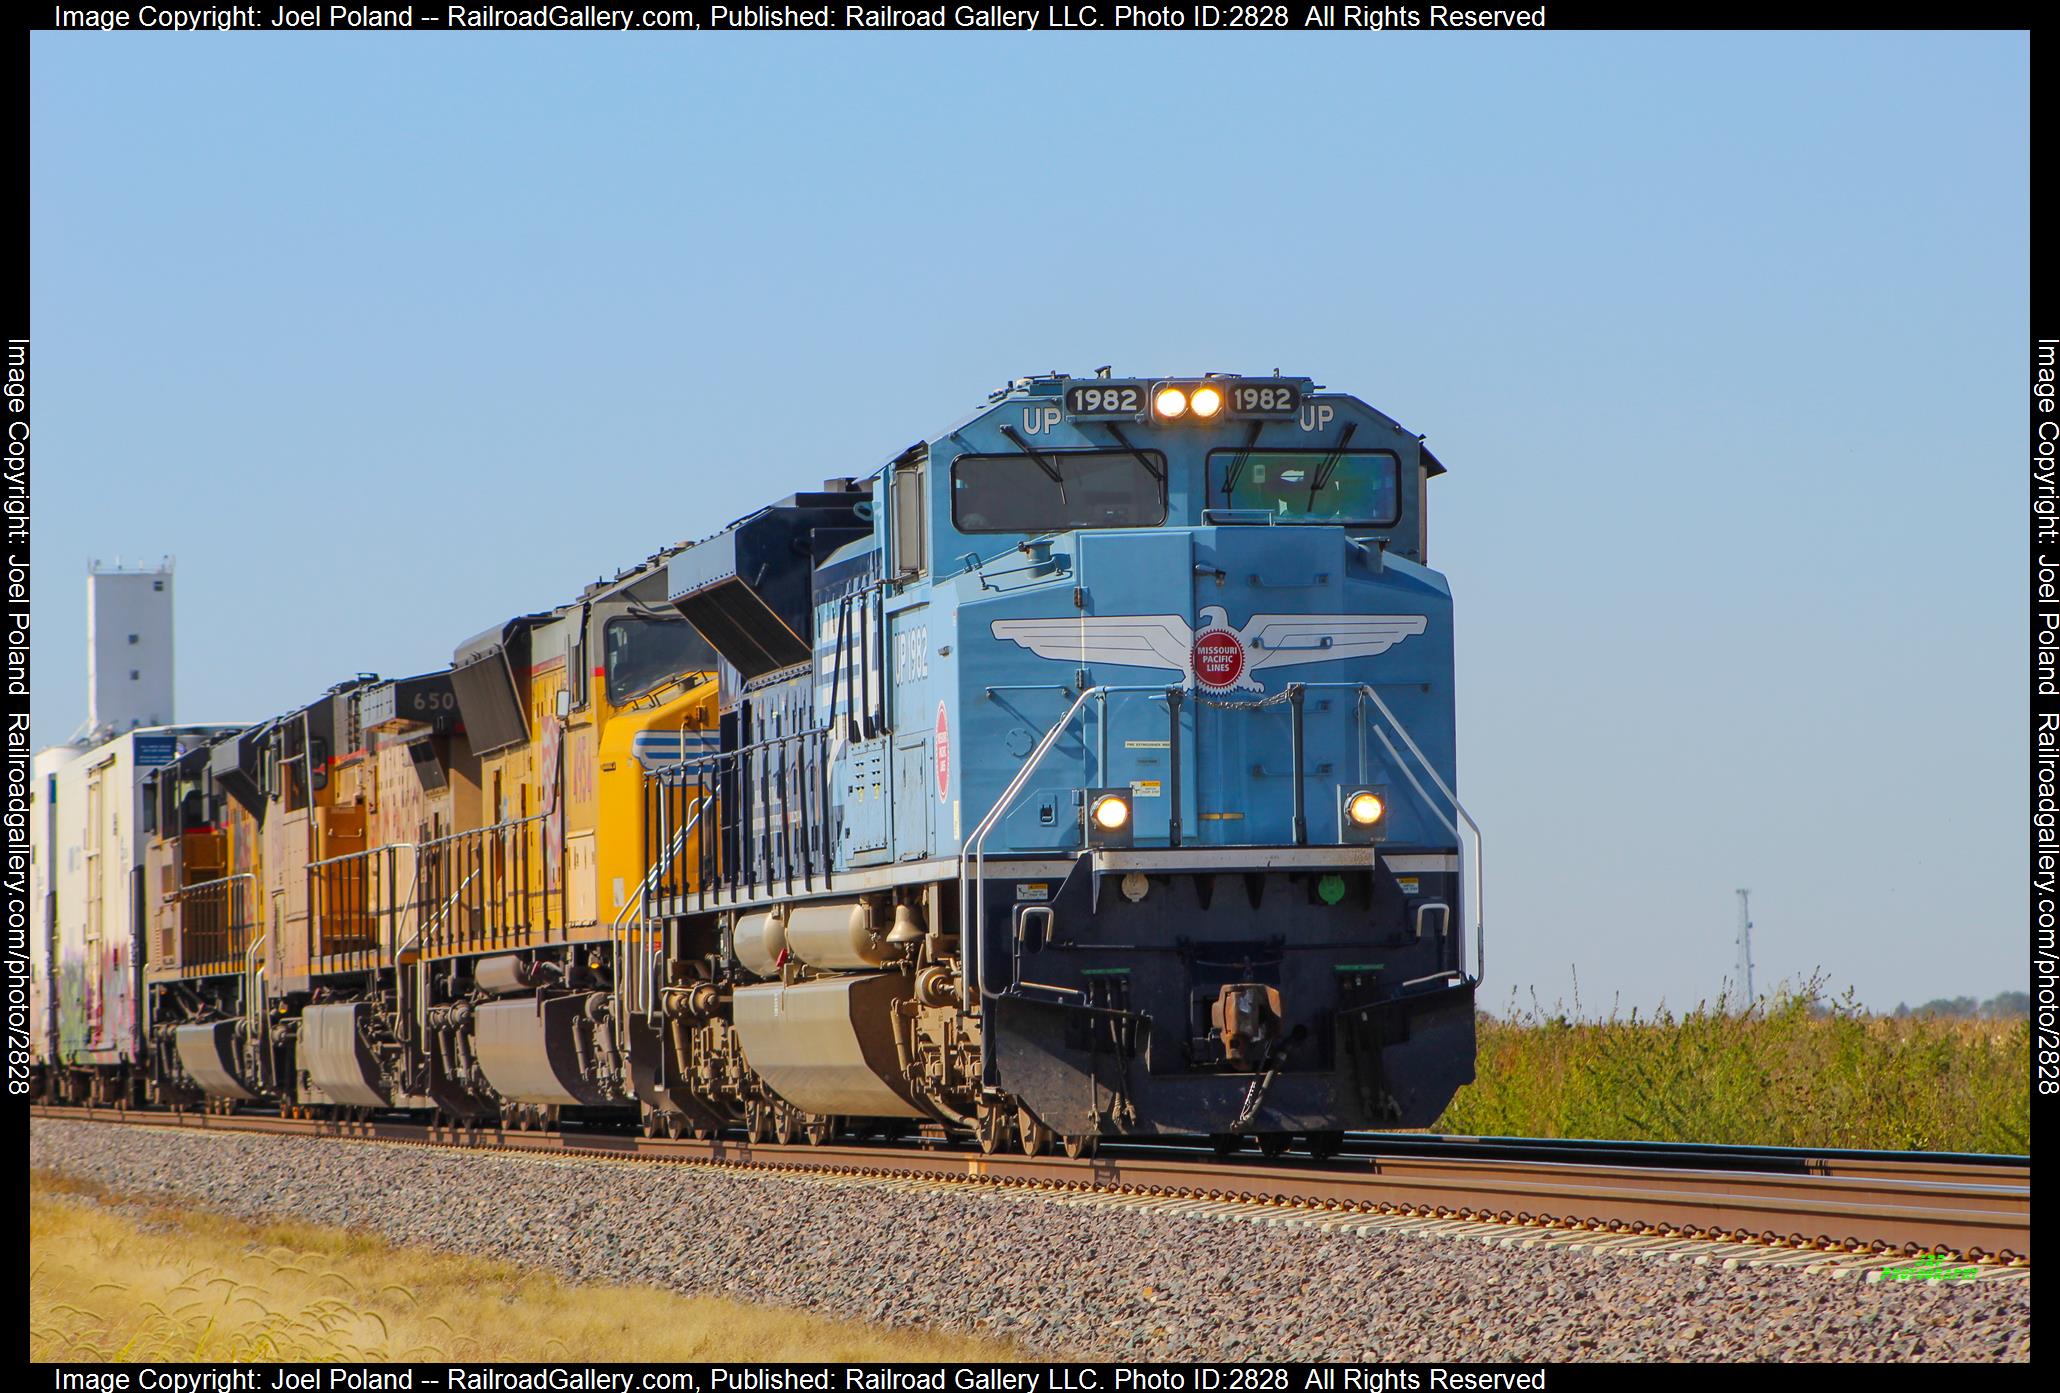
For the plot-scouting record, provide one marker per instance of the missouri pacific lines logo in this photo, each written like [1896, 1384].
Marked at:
[1215, 657]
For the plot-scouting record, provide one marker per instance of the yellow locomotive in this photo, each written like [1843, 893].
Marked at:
[352, 896]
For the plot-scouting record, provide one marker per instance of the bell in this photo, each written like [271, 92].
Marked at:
[906, 927]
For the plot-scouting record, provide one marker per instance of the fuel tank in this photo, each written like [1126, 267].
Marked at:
[828, 1046]
[339, 1066]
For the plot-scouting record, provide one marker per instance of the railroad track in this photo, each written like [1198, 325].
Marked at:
[1836, 1206]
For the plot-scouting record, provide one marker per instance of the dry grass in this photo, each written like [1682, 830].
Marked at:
[164, 1284]
[1796, 1070]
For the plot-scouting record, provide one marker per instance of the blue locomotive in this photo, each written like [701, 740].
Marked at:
[1086, 771]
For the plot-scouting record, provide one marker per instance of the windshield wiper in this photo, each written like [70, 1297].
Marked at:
[1237, 466]
[1330, 464]
[1039, 460]
[1142, 458]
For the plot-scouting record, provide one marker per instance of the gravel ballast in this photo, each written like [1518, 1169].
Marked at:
[1061, 1280]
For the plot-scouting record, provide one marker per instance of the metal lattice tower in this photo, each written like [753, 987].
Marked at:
[1745, 946]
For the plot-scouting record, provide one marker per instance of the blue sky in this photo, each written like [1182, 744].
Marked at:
[390, 337]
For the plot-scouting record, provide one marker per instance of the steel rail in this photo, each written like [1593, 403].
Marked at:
[1906, 1165]
[1973, 1212]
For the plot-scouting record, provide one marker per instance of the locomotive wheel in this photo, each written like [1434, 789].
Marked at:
[786, 1124]
[1076, 1147]
[1033, 1136]
[1324, 1145]
[1273, 1145]
[991, 1127]
[1226, 1143]
[758, 1121]
[675, 1125]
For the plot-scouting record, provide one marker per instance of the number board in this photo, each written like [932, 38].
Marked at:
[154, 750]
[1107, 400]
[1265, 398]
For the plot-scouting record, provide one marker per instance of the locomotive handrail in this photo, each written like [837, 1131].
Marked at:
[444, 908]
[318, 899]
[229, 926]
[1460, 818]
[624, 1006]
[975, 847]
[253, 1004]
[179, 890]
[422, 928]
[1480, 945]
[355, 855]
[413, 900]
[972, 916]
[803, 798]
[496, 882]
[448, 837]
[1252, 517]
[677, 770]
[973, 851]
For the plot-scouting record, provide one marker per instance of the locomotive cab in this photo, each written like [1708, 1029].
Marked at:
[1236, 730]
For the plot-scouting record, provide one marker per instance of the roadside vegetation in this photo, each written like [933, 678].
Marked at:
[1797, 1069]
[135, 1282]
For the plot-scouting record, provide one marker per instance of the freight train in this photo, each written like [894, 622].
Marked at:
[1086, 770]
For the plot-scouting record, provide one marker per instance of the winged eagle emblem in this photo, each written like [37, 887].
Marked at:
[1214, 656]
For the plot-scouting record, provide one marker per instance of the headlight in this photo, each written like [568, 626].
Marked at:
[1170, 403]
[1206, 402]
[1362, 815]
[1108, 817]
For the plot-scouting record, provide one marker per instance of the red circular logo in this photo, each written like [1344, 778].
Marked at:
[943, 755]
[1219, 658]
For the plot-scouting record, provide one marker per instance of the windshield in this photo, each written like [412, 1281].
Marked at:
[1057, 490]
[1355, 486]
[641, 653]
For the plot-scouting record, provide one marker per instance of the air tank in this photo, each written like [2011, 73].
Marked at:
[840, 936]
